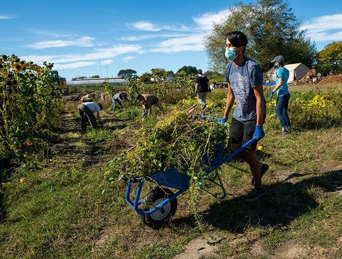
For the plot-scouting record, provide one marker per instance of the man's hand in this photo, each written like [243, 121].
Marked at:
[223, 120]
[259, 132]
[271, 95]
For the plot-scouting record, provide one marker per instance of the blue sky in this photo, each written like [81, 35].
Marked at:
[86, 38]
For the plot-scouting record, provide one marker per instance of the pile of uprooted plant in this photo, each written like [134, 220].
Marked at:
[176, 140]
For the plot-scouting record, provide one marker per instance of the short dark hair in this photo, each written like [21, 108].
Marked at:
[139, 97]
[237, 38]
[199, 71]
[100, 105]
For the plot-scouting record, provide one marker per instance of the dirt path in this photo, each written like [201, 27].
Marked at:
[74, 147]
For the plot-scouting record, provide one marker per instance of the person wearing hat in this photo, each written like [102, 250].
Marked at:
[86, 111]
[147, 100]
[282, 90]
[245, 89]
[119, 98]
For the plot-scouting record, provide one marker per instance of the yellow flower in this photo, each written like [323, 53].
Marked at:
[18, 67]
[28, 142]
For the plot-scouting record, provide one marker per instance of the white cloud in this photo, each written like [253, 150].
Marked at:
[148, 37]
[324, 28]
[148, 26]
[127, 59]
[107, 62]
[73, 60]
[74, 65]
[192, 42]
[145, 26]
[206, 21]
[6, 17]
[80, 42]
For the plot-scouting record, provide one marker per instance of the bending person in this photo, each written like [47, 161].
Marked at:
[147, 100]
[119, 98]
[86, 111]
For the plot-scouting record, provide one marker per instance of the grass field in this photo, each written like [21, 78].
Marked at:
[62, 206]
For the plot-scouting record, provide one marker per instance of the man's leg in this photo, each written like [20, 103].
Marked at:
[251, 158]
[201, 100]
[241, 132]
[83, 119]
[90, 116]
[114, 104]
[159, 105]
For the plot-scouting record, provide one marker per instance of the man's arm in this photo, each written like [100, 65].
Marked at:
[229, 102]
[258, 92]
[98, 116]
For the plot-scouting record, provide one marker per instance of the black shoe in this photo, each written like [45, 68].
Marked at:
[255, 194]
[263, 170]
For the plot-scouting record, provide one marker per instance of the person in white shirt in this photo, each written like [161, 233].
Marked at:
[86, 111]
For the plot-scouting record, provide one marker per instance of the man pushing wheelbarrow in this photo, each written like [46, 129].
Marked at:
[245, 85]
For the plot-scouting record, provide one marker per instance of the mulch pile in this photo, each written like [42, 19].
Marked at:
[331, 79]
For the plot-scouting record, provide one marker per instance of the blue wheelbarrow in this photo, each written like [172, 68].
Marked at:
[160, 203]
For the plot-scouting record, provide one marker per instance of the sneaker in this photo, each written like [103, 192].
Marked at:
[255, 194]
[263, 170]
[285, 132]
[204, 107]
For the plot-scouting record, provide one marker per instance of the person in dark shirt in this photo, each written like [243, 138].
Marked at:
[202, 88]
[147, 100]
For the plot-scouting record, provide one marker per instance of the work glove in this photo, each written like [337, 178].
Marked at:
[271, 95]
[223, 120]
[258, 132]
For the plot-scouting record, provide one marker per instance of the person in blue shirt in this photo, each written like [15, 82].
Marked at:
[282, 90]
[245, 87]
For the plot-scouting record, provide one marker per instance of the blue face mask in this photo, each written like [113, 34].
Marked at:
[230, 54]
[275, 66]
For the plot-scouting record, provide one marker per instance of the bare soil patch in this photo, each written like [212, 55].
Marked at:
[330, 79]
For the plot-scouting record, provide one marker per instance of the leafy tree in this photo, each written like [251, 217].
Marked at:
[127, 73]
[329, 60]
[158, 72]
[95, 76]
[214, 77]
[188, 70]
[146, 77]
[272, 29]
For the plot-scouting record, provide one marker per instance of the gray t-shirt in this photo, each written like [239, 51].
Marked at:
[242, 80]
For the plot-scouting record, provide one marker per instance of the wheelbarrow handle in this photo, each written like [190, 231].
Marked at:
[203, 116]
[237, 151]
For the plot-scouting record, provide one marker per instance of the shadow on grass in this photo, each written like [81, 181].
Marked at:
[283, 203]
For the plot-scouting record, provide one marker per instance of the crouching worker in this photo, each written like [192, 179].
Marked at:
[147, 100]
[119, 98]
[87, 110]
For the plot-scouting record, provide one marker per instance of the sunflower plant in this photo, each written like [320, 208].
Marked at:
[29, 103]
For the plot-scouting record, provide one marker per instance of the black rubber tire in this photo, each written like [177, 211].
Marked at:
[157, 219]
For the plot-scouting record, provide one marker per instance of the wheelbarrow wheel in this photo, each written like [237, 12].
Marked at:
[161, 216]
